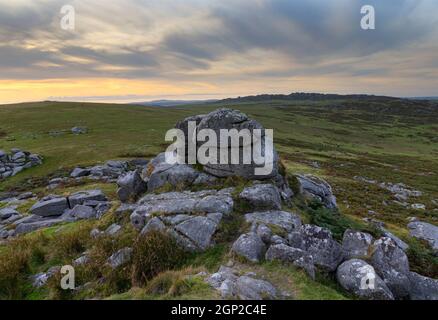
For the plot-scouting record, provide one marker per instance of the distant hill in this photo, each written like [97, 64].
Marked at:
[300, 96]
[172, 103]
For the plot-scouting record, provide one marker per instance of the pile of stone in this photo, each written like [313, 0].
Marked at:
[109, 171]
[52, 210]
[17, 161]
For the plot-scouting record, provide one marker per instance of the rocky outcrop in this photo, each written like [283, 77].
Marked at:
[425, 231]
[110, 170]
[174, 203]
[231, 119]
[17, 161]
[360, 279]
[319, 189]
[52, 210]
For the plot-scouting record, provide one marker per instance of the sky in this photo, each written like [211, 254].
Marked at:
[140, 50]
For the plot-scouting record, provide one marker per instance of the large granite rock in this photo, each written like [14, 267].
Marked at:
[392, 265]
[360, 279]
[295, 256]
[199, 230]
[285, 220]
[249, 288]
[175, 175]
[231, 119]
[422, 288]
[250, 246]
[131, 185]
[174, 203]
[425, 231]
[233, 286]
[319, 189]
[319, 243]
[48, 208]
[88, 195]
[356, 245]
[261, 197]
[7, 213]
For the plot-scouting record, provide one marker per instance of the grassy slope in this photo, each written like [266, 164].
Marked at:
[389, 143]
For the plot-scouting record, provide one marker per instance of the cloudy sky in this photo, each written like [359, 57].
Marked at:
[135, 50]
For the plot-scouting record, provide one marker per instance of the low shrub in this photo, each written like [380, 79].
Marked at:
[154, 253]
[422, 259]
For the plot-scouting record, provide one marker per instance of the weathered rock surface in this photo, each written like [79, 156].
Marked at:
[422, 288]
[249, 288]
[199, 230]
[89, 195]
[231, 119]
[425, 231]
[319, 243]
[360, 279]
[356, 245]
[110, 170]
[285, 220]
[291, 255]
[7, 213]
[261, 197]
[173, 203]
[174, 175]
[249, 246]
[392, 265]
[48, 208]
[83, 212]
[319, 189]
[131, 185]
[155, 224]
[233, 286]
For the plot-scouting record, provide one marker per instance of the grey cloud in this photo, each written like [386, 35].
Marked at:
[312, 33]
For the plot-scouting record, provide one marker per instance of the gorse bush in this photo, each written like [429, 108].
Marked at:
[154, 253]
